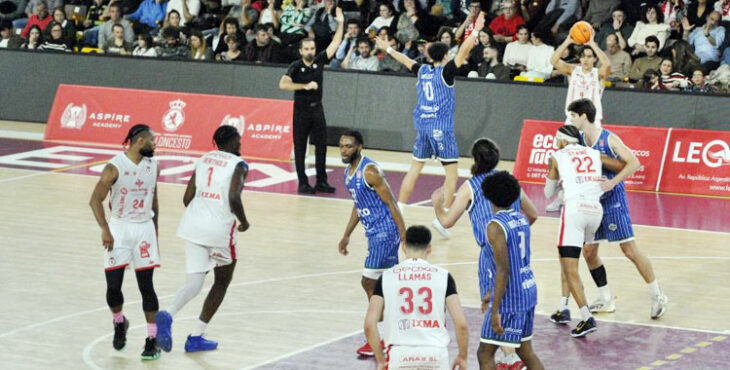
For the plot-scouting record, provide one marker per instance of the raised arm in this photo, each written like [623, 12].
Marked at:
[605, 69]
[234, 195]
[381, 187]
[102, 188]
[559, 64]
[465, 49]
[400, 57]
[337, 38]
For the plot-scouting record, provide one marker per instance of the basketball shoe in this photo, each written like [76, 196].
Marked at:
[151, 351]
[600, 306]
[163, 319]
[659, 306]
[583, 328]
[560, 317]
[120, 334]
[198, 343]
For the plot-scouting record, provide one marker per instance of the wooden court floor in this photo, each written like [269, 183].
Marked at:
[291, 290]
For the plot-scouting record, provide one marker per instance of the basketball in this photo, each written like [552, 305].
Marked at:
[581, 32]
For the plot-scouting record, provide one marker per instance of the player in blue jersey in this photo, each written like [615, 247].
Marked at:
[510, 309]
[470, 198]
[433, 116]
[376, 209]
[616, 223]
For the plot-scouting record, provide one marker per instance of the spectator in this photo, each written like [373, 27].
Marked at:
[199, 50]
[532, 11]
[272, 32]
[248, 13]
[650, 61]
[386, 18]
[620, 60]
[149, 15]
[707, 40]
[685, 61]
[350, 39]
[35, 38]
[262, 49]
[115, 17]
[8, 38]
[560, 13]
[40, 18]
[462, 10]
[229, 26]
[361, 60]
[94, 16]
[468, 24]
[652, 24]
[29, 8]
[723, 7]
[411, 49]
[68, 27]
[387, 62]
[172, 48]
[11, 10]
[145, 46]
[699, 83]
[55, 42]
[538, 60]
[673, 81]
[505, 26]
[491, 68]
[697, 13]
[117, 45]
[653, 80]
[600, 12]
[270, 15]
[619, 26]
[672, 11]
[516, 52]
[293, 18]
[188, 9]
[414, 23]
[476, 56]
[172, 21]
[495, 9]
[234, 53]
[322, 26]
[446, 36]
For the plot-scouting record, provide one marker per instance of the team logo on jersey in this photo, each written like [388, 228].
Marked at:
[123, 191]
[175, 117]
[359, 174]
[404, 324]
[112, 261]
[144, 249]
[74, 116]
[139, 183]
[438, 135]
[239, 122]
[612, 227]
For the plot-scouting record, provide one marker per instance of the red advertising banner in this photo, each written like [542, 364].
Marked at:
[697, 162]
[181, 121]
[537, 144]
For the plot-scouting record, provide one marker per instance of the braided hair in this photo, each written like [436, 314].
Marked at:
[223, 135]
[486, 156]
[134, 132]
[570, 130]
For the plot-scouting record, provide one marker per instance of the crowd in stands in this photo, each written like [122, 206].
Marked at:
[652, 44]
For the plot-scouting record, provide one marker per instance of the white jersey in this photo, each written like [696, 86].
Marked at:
[208, 219]
[414, 292]
[585, 86]
[133, 192]
[580, 171]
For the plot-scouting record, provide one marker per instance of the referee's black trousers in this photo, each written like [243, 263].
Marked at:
[309, 120]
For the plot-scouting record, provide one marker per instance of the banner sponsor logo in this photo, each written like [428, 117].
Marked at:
[697, 162]
[175, 117]
[74, 116]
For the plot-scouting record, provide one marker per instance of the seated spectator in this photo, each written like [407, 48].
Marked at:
[149, 16]
[650, 61]
[8, 38]
[599, 12]
[172, 48]
[463, 10]
[69, 29]
[187, 9]
[672, 11]
[55, 41]
[685, 61]
[94, 15]
[560, 14]
[620, 60]
[516, 52]
[386, 18]
[352, 33]
[247, 12]
[412, 50]
[699, 83]
[653, 80]
[672, 80]
[145, 46]
[29, 10]
[414, 22]
[234, 53]
[617, 25]
[292, 20]
[707, 40]
[199, 50]
[697, 12]
[272, 32]
[446, 36]
[40, 18]
[269, 15]
[723, 7]
[117, 45]
[505, 26]
[322, 26]
[11, 10]
[491, 68]
[387, 62]
[652, 24]
[476, 56]
[34, 40]
[115, 17]
[229, 26]
[538, 60]
[173, 22]
[262, 49]
[361, 60]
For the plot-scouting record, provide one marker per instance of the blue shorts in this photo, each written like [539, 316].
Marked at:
[517, 328]
[383, 250]
[436, 144]
[485, 271]
[615, 227]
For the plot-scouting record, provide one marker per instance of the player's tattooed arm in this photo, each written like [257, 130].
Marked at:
[380, 185]
[625, 153]
[354, 219]
[234, 196]
[498, 241]
[458, 205]
[189, 191]
[103, 186]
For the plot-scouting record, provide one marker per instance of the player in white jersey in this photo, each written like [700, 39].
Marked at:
[130, 235]
[412, 298]
[208, 226]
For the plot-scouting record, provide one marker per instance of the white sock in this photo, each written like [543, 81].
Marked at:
[605, 293]
[199, 328]
[654, 288]
[563, 303]
[585, 313]
[193, 285]
[511, 359]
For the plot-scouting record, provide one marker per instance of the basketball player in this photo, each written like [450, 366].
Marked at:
[510, 309]
[433, 116]
[412, 298]
[208, 226]
[584, 82]
[470, 198]
[616, 223]
[130, 236]
[375, 207]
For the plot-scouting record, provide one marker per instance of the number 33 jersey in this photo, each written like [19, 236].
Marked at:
[133, 192]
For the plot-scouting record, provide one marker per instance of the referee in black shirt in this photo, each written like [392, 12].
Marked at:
[304, 77]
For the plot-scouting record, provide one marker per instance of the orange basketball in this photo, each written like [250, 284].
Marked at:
[581, 32]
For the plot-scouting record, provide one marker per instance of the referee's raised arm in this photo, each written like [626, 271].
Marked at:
[337, 38]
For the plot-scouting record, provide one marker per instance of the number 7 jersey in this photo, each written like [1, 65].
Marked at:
[521, 292]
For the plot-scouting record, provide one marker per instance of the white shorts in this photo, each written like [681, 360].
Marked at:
[134, 242]
[579, 221]
[373, 274]
[200, 258]
[421, 358]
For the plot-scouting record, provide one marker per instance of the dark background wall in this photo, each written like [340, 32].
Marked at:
[379, 105]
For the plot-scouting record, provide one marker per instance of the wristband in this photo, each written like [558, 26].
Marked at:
[389, 50]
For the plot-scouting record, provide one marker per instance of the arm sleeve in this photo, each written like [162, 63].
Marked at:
[450, 72]
[379, 287]
[416, 67]
[450, 286]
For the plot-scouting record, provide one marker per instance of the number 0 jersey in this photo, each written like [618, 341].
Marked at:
[133, 192]
[372, 211]
[435, 106]
[580, 172]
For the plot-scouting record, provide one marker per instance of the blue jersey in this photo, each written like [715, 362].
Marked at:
[372, 211]
[521, 293]
[435, 106]
[614, 200]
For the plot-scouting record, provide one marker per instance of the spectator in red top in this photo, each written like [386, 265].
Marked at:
[505, 26]
[41, 18]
